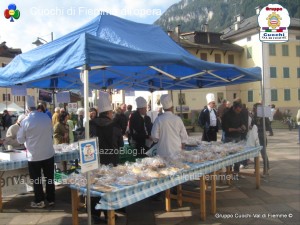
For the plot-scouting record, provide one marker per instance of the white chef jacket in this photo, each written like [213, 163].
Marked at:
[168, 129]
[212, 117]
[36, 130]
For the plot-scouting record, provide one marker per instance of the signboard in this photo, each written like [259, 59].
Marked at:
[129, 93]
[19, 90]
[274, 21]
[63, 97]
[15, 182]
[267, 111]
[184, 108]
[88, 150]
[45, 96]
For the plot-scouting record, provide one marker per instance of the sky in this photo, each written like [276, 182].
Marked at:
[40, 18]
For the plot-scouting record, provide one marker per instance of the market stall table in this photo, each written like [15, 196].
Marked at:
[127, 195]
[19, 164]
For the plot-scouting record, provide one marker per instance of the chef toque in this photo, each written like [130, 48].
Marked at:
[210, 97]
[21, 117]
[30, 105]
[141, 102]
[104, 103]
[166, 101]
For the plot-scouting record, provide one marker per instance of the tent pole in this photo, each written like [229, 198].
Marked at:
[180, 103]
[6, 97]
[263, 108]
[53, 97]
[87, 135]
[152, 103]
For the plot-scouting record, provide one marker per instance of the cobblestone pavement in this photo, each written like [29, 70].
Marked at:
[276, 202]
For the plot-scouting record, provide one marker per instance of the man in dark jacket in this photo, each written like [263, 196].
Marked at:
[245, 117]
[120, 119]
[6, 120]
[232, 125]
[140, 127]
[128, 112]
[208, 120]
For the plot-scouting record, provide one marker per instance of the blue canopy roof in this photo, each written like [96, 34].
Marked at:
[122, 55]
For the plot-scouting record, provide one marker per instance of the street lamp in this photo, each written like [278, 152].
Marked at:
[39, 40]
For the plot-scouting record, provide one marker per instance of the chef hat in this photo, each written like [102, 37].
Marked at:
[166, 101]
[21, 117]
[80, 111]
[30, 105]
[141, 102]
[210, 97]
[104, 103]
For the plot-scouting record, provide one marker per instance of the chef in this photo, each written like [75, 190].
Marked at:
[208, 119]
[169, 131]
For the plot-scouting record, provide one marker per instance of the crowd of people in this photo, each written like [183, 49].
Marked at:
[235, 122]
[39, 130]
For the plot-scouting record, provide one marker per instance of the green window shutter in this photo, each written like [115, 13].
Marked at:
[287, 94]
[250, 96]
[249, 53]
[285, 50]
[272, 50]
[273, 72]
[274, 96]
[286, 72]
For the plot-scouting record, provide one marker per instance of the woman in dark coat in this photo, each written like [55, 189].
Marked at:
[110, 139]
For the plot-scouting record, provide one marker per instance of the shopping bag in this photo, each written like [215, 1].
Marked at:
[252, 137]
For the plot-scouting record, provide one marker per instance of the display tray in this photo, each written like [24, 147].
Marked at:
[104, 188]
[13, 155]
[190, 145]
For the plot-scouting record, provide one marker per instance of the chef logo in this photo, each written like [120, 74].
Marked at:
[274, 21]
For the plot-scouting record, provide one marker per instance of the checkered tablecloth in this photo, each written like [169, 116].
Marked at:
[58, 157]
[127, 195]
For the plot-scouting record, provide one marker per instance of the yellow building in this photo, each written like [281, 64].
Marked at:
[280, 64]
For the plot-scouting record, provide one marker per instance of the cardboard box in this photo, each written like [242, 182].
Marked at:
[13, 155]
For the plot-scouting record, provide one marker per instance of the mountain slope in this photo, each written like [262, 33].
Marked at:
[218, 14]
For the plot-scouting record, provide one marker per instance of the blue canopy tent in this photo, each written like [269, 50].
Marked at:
[110, 52]
[119, 54]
